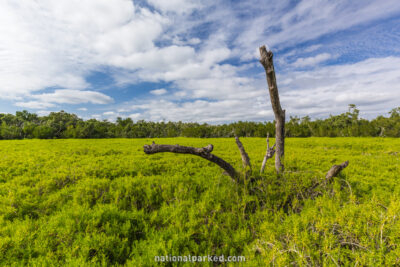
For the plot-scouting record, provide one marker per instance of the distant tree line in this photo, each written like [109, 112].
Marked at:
[66, 125]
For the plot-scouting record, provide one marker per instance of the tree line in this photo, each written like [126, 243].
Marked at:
[26, 125]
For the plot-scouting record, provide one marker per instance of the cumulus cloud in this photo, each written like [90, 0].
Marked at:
[55, 44]
[188, 48]
[371, 84]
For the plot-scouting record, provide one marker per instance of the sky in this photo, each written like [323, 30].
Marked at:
[197, 61]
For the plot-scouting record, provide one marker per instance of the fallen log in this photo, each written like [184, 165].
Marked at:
[204, 152]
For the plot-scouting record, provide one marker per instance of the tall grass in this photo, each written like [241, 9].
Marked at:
[104, 202]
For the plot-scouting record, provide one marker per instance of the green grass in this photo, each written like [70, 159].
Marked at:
[104, 202]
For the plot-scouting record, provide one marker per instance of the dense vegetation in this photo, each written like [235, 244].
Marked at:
[76, 202]
[64, 125]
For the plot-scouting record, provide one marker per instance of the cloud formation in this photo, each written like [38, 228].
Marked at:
[197, 60]
[312, 61]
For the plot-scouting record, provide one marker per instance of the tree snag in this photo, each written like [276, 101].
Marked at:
[335, 170]
[204, 152]
[268, 154]
[267, 62]
[243, 154]
[277, 148]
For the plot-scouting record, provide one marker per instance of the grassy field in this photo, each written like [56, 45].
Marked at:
[104, 202]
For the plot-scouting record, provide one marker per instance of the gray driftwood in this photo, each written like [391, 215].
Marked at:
[267, 62]
[268, 154]
[243, 154]
[204, 152]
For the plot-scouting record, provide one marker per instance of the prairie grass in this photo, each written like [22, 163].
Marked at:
[104, 202]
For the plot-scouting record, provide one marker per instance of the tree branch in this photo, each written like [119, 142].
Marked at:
[204, 152]
[268, 154]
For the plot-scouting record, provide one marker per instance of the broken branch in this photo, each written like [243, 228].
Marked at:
[243, 154]
[204, 152]
[268, 154]
[335, 170]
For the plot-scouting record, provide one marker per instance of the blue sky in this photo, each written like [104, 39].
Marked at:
[198, 60]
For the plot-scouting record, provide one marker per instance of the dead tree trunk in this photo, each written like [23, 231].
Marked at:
[204, 152]
[277, 149]
[243, 154]
[267, 62]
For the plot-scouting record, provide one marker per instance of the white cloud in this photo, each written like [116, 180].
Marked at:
[34, 104]
[311, 61]
[66, 96]
[200, 110]
[96, 116]
[134, 116]
[372, 84]
[110, 115]
[43, 112]
[55, 44]
[82, 109]
[161, 91]
[312, 48]
[308, 20]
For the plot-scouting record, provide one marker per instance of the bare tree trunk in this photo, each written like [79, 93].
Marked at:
[267, 62]
[204, 152]
[243, 154]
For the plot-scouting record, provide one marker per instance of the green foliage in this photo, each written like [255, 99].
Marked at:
[65, 125]
[104, 202]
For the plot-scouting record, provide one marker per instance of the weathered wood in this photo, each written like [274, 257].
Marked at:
[268, 154]
[267, 62]
[335, 170]
[243, 154]
[204, 152]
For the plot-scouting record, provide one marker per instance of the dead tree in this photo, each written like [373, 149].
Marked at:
[277, 148]
[268, 64]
